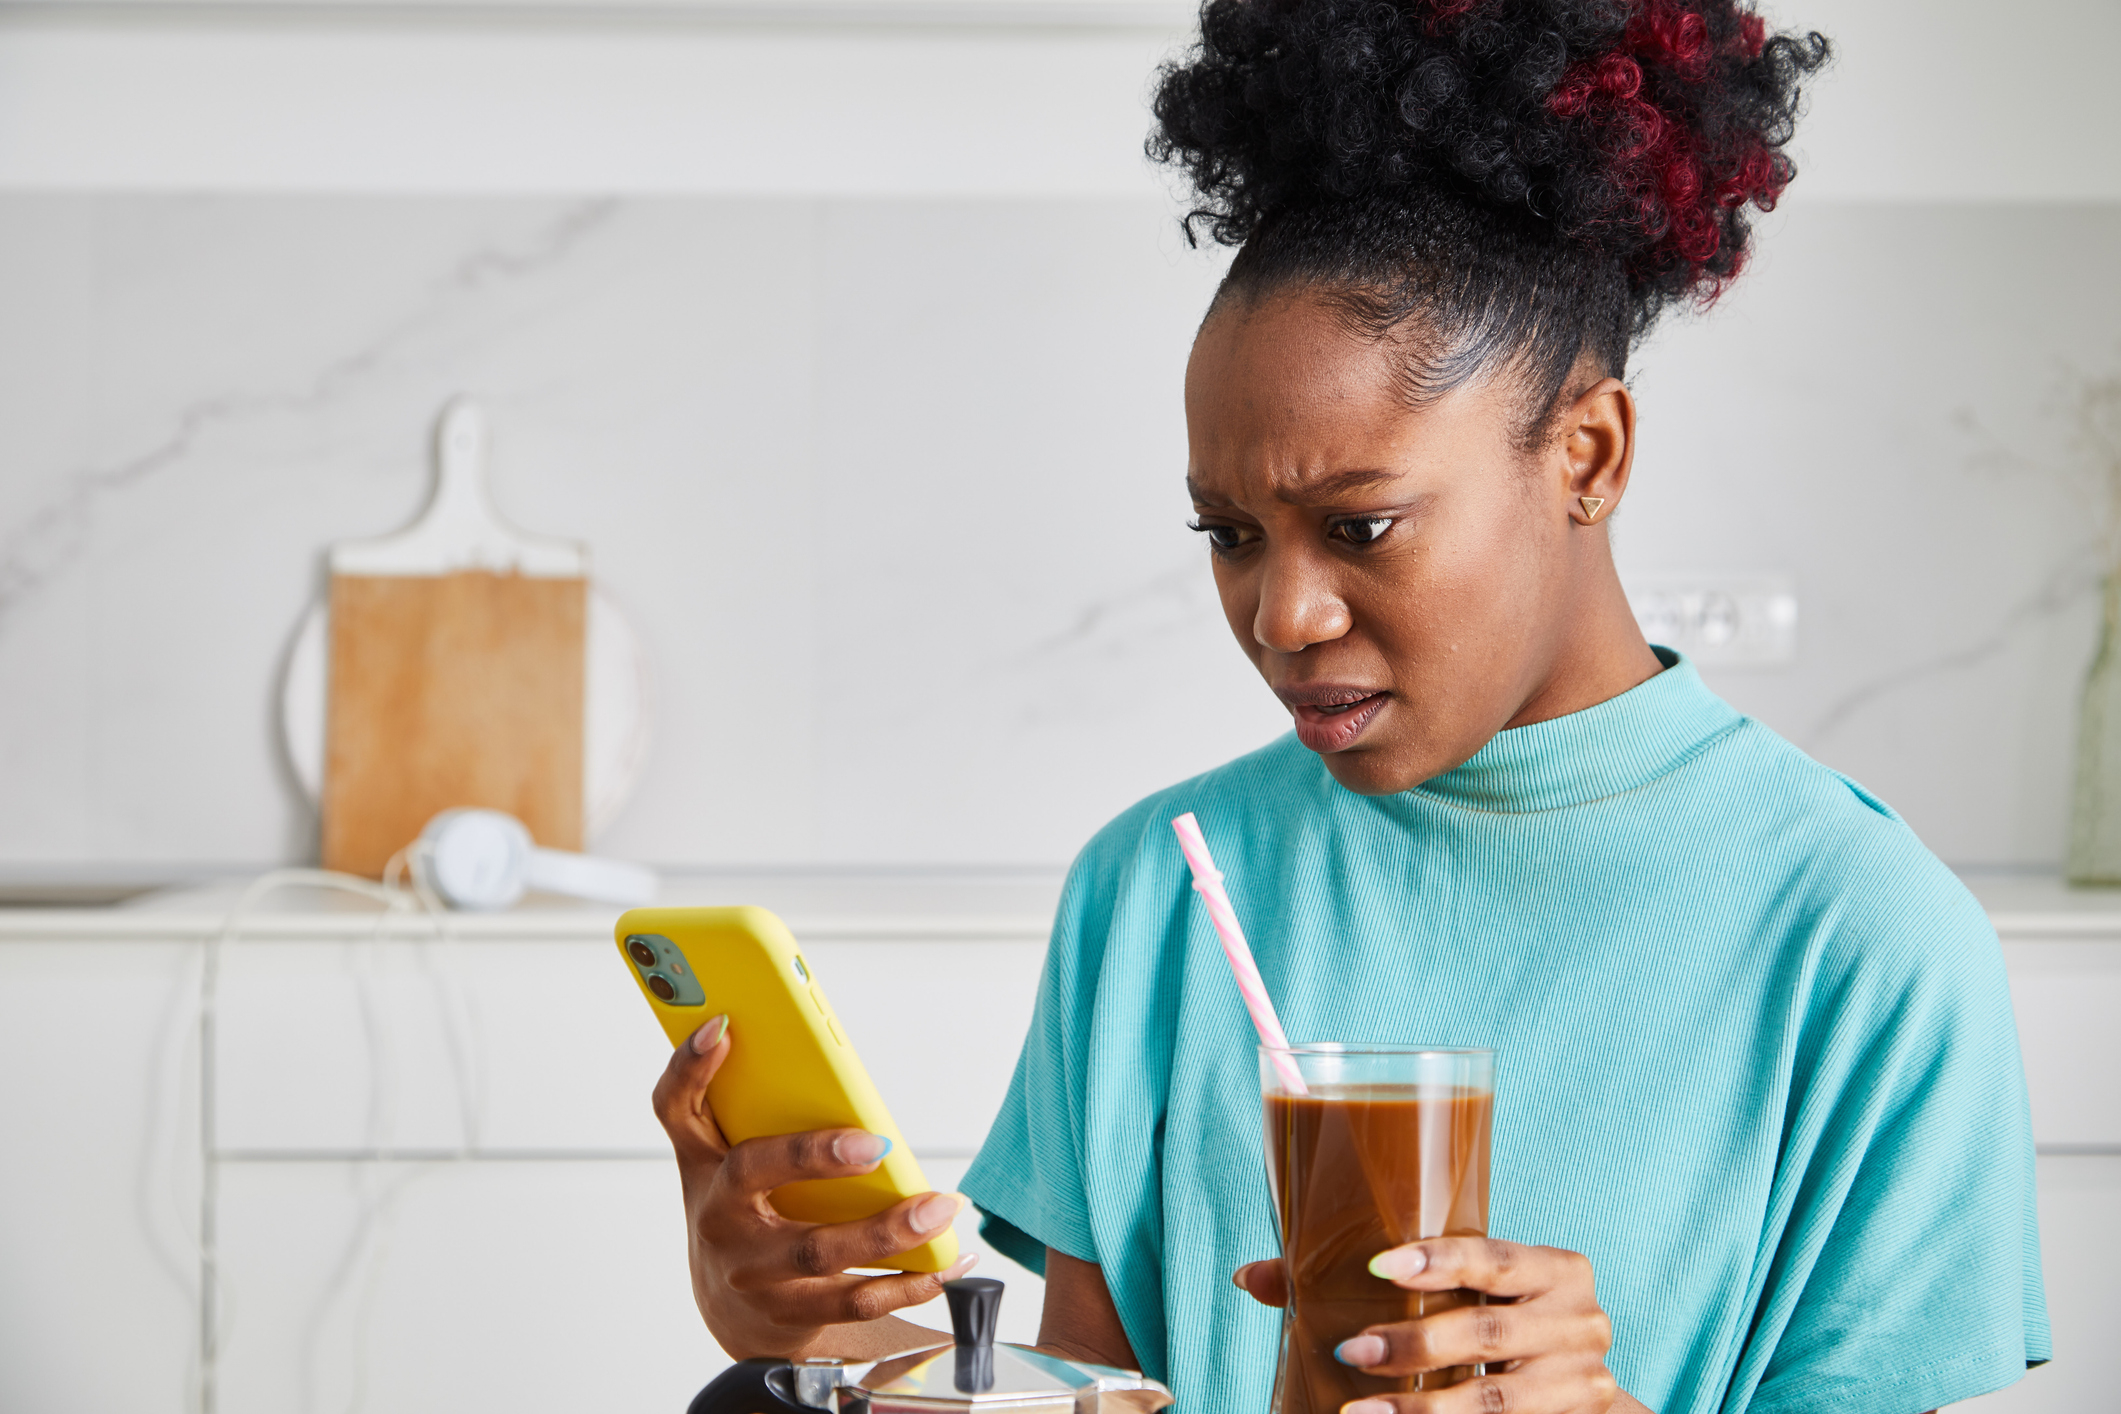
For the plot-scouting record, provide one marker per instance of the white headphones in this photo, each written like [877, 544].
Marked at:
[482, 860]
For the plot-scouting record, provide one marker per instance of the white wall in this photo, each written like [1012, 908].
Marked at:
[1928, 101]
[947, 616]
[891, 489]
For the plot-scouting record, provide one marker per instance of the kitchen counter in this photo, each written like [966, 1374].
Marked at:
[2029, 906]
[816, 904]
[481, 1092]
[880, 906]
[879, 903]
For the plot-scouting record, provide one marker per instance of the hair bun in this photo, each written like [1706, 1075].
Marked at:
[1643, 129]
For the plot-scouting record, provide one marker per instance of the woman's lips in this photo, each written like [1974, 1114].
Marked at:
[1331, 720]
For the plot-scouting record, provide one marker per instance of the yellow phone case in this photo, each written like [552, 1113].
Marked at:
[790, 1066]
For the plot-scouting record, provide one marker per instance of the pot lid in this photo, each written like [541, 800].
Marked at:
[1008, 1377]
[977, 1374]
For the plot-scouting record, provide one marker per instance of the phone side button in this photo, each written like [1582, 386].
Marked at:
[833, 1022]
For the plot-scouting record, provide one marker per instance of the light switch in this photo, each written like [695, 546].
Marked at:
[1718, 619]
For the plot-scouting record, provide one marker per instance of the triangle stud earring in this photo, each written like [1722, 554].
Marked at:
[1591, 505]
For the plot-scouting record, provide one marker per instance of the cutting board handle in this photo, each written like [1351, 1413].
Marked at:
[460, 460]
[460, 529]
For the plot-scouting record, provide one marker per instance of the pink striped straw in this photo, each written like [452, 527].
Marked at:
[1208, 883]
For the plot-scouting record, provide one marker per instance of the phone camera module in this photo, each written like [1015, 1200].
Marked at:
[664, 970]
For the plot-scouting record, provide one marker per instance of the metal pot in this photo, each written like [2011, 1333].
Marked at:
[974, 1374]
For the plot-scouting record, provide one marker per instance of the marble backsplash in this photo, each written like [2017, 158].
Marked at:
[891, 489]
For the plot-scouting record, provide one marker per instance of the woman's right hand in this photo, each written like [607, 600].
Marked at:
[766, 1284]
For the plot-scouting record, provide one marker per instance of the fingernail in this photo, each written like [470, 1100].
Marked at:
[937, 1212]
[960, 1267]
[1399, 1263]
[709, 1036]
[1362, 1352]
[1366, 1406]
[860, 1148]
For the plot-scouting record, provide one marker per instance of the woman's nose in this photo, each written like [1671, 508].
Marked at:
[1297, 607]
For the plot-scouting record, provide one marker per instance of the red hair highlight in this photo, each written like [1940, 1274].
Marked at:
[1674, 187]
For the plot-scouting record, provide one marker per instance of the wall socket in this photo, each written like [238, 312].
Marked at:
[1734, 619]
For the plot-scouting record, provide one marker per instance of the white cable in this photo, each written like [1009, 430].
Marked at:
[376, 1207]
[160, 1157]
[165, 1153]
[381, 1128]
[461, 1030]
[214, 1305]
[211, 1324]
[377, 1224]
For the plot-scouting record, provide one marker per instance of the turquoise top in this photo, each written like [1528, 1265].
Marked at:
[1757, 1056]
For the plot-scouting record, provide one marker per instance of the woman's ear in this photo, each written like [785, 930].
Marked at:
[1597, 449]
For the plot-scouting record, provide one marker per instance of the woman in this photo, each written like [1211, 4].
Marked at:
[1762, 1141]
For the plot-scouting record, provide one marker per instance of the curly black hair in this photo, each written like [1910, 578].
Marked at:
[1491, 182]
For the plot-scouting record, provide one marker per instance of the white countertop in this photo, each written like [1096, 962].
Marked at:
[2029, 907]
[879, 904]
[931, 905]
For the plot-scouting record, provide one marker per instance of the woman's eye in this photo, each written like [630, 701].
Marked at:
[1361, 532]
[1222, 537]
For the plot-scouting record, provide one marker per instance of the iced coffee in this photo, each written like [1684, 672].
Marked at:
[1383, 1146]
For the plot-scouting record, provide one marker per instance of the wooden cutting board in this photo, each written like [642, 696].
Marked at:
[456, 670]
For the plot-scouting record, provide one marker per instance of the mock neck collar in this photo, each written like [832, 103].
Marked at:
[1623, 742]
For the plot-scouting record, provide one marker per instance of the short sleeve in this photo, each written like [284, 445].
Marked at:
[1028, 1178]
[1908, 1275]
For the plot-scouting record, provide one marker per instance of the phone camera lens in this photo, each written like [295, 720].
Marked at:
[660, 985]
[642, 953]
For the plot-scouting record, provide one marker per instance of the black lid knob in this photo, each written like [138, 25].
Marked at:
[975, 1310]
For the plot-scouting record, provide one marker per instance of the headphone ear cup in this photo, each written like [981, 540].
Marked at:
[559, 871]
[477, 860]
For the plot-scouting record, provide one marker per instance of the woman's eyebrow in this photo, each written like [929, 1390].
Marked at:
[1201, 497]
[1329, 487]
[1336, 484]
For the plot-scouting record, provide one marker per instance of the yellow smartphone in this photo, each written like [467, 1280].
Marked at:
[790, 1067]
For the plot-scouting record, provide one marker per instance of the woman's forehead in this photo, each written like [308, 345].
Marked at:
[1307, 447]
[1288, 371]
[1287, 351]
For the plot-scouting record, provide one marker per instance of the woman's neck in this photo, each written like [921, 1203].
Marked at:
[1599, 650]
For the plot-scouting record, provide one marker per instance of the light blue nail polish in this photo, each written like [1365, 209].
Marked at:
[887, 1147]
[1372, 1351]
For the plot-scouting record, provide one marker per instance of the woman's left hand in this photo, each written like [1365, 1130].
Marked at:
[1545, 1350]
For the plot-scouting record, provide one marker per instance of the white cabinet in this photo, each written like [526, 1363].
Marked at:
[2063, 950]
[370, 1256]
[439, 1184]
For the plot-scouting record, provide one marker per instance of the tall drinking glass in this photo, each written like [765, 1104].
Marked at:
[1386, 1145]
